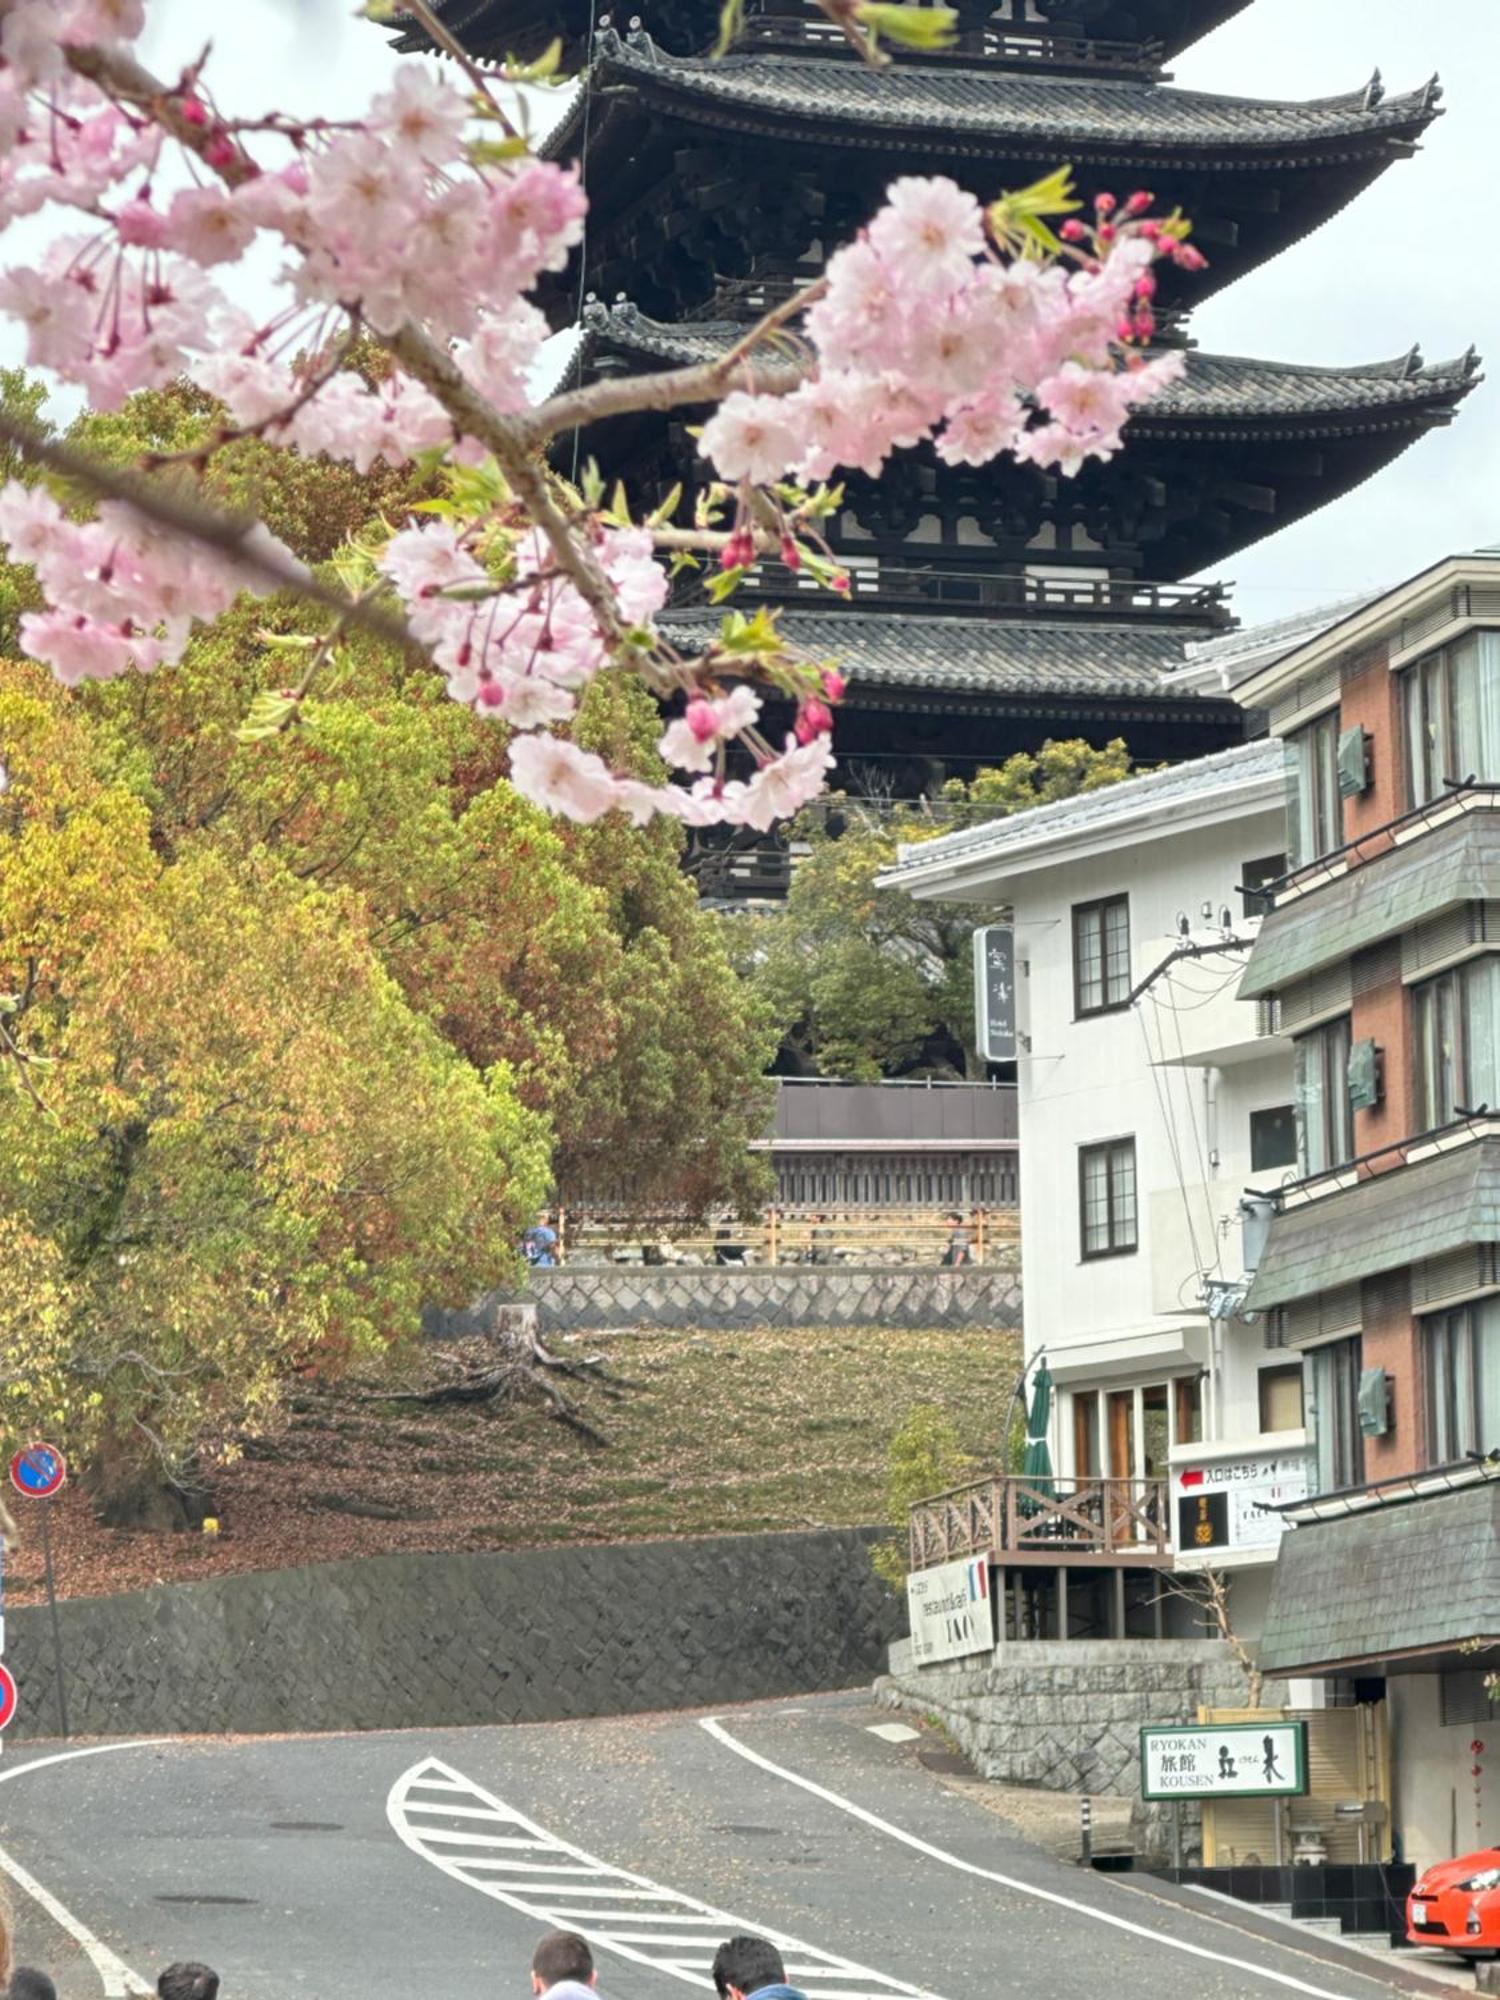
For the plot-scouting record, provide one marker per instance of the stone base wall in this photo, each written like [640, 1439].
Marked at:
[1066, 1716]
[397, 1642]
[713, 1297]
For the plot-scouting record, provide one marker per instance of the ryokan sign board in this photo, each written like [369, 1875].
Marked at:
[1227, 1760]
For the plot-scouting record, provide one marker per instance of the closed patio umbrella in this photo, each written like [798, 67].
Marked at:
[1036, 1466]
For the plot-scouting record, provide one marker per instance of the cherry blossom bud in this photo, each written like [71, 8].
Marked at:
[1145, 286]
[701, 719]
[813, 720]
[840, 583]
[1104, 204]
[220, 151]
[1072, 230]
[193, 111]
[1187, 258]
[1139, 202]
[1144, 323]
[791, 555]
[833, 684]
[1106, 232]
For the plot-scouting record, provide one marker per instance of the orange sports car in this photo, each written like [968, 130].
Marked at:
[1456, 1904]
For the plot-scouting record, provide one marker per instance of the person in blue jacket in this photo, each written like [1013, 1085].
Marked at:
[751, 1968]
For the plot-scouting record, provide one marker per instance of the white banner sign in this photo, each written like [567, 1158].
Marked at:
[1234, 1760]
[1230, 1503]
[952, 1610]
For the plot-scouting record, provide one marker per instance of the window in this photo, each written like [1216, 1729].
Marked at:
[1461, 1362]
[1281, 1398]
[1334, 1394]
[1253, 878]
[1451, 716]
[1101, 955]
[1106, 1183]
[1273, 1138]
[1325, 1124]
[1314, 812]
[1456, 1042]
[1188, 1395]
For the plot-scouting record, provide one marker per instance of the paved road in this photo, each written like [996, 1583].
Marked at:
[341, 1867]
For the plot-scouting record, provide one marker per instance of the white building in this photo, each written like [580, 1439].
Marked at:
[1149, 1101]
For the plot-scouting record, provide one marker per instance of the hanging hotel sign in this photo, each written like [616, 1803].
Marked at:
[1226, 1504]
[952, 1610]
[1234, 1760]
[995, 993]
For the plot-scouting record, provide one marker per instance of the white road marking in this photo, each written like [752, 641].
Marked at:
[892, 1732]
[115, 1976]
[720, 1734]
[653, 1926]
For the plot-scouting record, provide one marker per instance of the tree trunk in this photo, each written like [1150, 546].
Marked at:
[129, 1487]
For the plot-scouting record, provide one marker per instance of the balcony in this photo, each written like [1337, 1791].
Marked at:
[815, 1115]
[767, 27]
[1404, 1205]
[1056, 1523]
[986, 592]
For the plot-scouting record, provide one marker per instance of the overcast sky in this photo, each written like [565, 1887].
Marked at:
[1412, 260]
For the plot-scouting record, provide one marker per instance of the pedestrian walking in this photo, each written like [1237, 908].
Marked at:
[562, 1967]
[751, 1968]
[539, 1244]
[188, 1980]
[960, 1248]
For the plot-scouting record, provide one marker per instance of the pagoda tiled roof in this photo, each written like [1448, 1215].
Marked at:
[975, 656]
[1216, 390]
[1135, 122]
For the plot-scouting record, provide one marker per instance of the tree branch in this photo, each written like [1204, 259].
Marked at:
[226, 532]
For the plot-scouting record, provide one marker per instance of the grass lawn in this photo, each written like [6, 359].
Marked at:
[720, 1433]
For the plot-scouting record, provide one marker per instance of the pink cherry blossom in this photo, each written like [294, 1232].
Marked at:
[751, 437]
[422, 115]
[554, 773]
[208, 225]
[929, 232]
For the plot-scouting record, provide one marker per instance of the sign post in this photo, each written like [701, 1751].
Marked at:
[39, 1472]
[995, 993]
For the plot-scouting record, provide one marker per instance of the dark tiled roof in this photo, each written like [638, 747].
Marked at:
[1450, 864]
[974, 655]
[1217, 388]
[1401, 1578]
[1423, 1210]
[1105, 119]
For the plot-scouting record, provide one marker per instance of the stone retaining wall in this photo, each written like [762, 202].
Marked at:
[712, 1297]
[1066, 1715]
[402, 1641]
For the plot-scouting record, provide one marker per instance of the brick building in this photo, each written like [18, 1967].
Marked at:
[1380, 1265]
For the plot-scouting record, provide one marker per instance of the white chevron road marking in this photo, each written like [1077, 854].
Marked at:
[651, 1925]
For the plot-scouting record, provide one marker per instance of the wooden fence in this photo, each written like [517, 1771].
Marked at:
[780, 1236]
[1043, 1521]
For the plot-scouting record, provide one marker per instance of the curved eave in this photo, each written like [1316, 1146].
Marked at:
[831, 101]
[1298, 402]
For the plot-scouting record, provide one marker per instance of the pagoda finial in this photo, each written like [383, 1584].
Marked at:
[1374, 91]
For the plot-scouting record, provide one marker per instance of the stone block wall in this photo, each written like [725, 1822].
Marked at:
[713, 1297]
[1066, 1716]
[395, 1642]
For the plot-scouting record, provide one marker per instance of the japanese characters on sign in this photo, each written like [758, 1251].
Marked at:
[1235, 1760]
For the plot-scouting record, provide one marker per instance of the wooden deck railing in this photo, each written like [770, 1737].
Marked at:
[1022, 1520]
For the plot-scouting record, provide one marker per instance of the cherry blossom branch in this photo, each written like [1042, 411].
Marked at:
[672, 389]
[227, 534]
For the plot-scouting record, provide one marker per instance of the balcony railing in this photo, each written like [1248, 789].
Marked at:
[1046, 1521]
[1060, 54]
[1459, 1132]
[970, 592]
[1472, 796]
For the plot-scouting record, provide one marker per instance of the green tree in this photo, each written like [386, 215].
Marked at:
[865, 981]
[235, 1152]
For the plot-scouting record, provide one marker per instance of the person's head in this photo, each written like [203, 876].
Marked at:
[188, 1980]
[743, 1965]
[954, 1216]
[561, 1956]
[28, 1982]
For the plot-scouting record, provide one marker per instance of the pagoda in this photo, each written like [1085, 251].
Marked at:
[989, 608]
